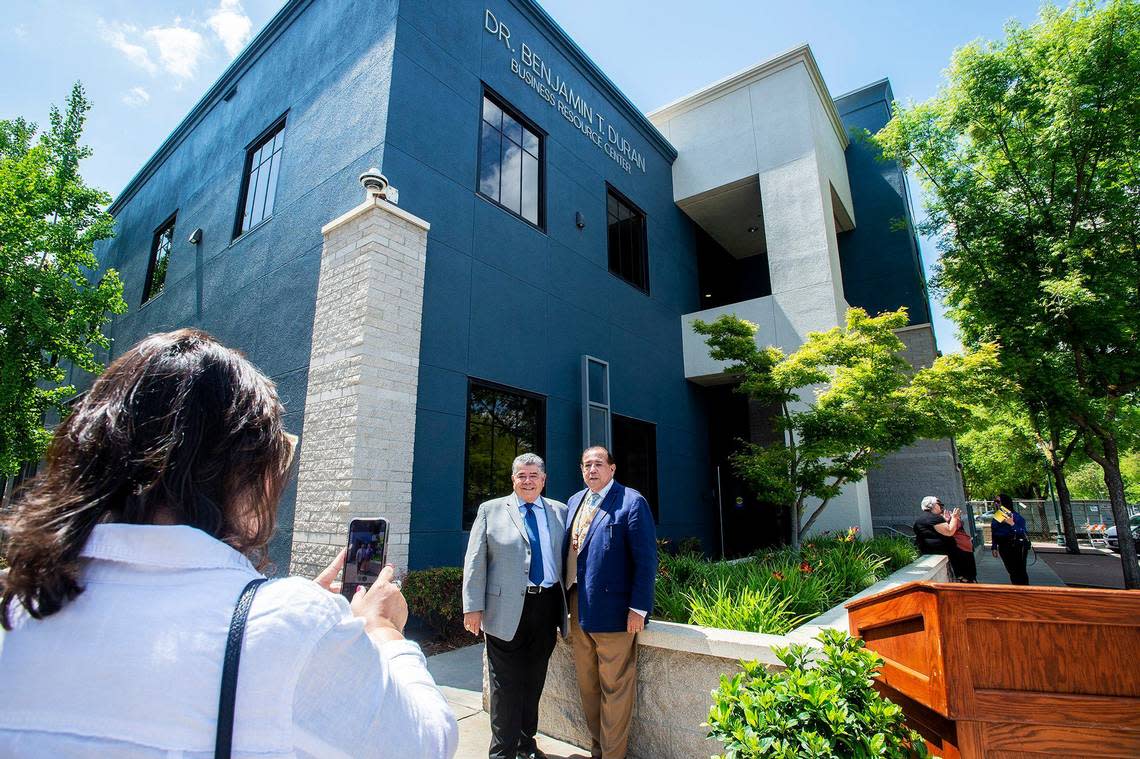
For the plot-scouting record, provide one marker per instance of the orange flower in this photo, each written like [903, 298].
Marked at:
[778, 575]
[806, 568]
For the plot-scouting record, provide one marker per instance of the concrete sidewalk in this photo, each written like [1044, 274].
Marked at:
[991, 570]
[459, 674]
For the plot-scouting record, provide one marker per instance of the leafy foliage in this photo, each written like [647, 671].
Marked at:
[1030, 157]
[52, 306]
[774, 591]
[435, 596]
[846, 398]
[823, 705]
[1087, 481]
[1001, 456]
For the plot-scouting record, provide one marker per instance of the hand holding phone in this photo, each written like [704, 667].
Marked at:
[366, 552]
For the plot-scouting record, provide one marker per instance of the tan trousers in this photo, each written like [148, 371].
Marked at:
[606, 664]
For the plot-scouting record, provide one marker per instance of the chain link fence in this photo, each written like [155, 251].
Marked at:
[1042, 521]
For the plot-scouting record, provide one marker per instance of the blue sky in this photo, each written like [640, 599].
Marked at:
[146, 62]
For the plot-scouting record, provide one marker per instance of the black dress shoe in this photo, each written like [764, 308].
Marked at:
[535, 754]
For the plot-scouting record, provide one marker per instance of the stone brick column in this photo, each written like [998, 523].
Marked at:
[360, 407]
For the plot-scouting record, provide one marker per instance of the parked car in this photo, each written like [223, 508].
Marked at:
[1113, 541]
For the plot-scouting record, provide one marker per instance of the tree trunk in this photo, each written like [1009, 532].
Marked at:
[794, 521]
[1065, 500]
[1115, 484]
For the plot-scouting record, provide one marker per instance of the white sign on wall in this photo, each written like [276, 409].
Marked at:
[528, 66]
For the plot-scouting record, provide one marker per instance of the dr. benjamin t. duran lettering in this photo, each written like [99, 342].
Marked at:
[556, 91]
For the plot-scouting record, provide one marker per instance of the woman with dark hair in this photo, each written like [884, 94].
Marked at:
[127, 557]
[1010, 540]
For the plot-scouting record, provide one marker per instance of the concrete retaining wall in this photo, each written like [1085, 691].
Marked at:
[678, 666]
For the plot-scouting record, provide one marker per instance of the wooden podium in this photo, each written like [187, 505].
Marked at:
[1000, 671]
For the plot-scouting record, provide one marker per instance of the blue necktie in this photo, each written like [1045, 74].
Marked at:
[536, 573]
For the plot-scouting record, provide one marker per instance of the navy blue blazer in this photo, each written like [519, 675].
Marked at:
[617, 561]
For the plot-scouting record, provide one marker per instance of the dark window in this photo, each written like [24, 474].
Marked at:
[159, 260]
[501, 424]
[629, 256]
[635, 454]
[259, 180]
[510, 161]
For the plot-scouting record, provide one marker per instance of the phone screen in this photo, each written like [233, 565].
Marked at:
[367, 549]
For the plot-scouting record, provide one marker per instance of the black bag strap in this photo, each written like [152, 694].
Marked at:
[223, 743]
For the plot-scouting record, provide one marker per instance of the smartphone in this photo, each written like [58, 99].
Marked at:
[367, 550]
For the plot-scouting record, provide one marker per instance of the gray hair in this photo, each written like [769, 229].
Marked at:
[928, 502]
[527, 459]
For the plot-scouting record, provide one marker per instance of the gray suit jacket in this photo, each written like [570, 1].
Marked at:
[497, 563]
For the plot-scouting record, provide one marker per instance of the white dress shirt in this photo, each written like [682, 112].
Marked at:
[549, 567]
[132, 666]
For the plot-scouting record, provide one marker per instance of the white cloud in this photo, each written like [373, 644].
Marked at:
[231, 25]
[116, 35]
[136, 96]
[179, 48]
[20, 31]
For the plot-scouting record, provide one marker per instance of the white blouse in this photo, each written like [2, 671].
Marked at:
[132, 667]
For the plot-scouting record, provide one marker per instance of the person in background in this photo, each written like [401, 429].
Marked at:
[128, 555]
[934, 531]
[1010, 541]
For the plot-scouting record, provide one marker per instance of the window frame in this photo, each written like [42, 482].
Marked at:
[644, 230]
[270, 132]
[504, 105]
[148, 283]
[591, 404]
[473, 382]
[653, 493]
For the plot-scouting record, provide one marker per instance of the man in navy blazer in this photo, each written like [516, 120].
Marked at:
[610, 559]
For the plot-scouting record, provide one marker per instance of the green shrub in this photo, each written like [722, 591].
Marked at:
[435, 596]
[826, 709]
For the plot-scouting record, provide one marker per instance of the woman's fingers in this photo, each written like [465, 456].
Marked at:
[328, 575]
[387, 574]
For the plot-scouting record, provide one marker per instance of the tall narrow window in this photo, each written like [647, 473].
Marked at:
[629, 256]
[259, 180]
[595, 402]
[159, 260]
[510, 161]
[501, 424]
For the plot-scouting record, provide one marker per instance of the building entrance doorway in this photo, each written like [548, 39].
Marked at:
[749, 522]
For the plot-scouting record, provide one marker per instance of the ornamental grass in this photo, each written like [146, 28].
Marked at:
[777, 590]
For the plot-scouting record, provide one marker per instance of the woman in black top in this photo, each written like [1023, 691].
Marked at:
[934, 533]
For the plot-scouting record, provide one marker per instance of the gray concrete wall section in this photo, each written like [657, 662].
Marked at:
[929, 467]
[363, 378]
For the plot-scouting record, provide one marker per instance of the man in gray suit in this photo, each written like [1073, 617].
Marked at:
[512, 590]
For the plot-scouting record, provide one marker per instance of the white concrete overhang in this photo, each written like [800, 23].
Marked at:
[731, 133]
[732, 215]
[798, 55]
[699, 365]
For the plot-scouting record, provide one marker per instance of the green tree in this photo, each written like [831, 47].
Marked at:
[52, 305]
[1001, 455]
[845, 399]
[1030, 156]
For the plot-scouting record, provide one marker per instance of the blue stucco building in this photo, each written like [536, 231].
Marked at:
[572, 240]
